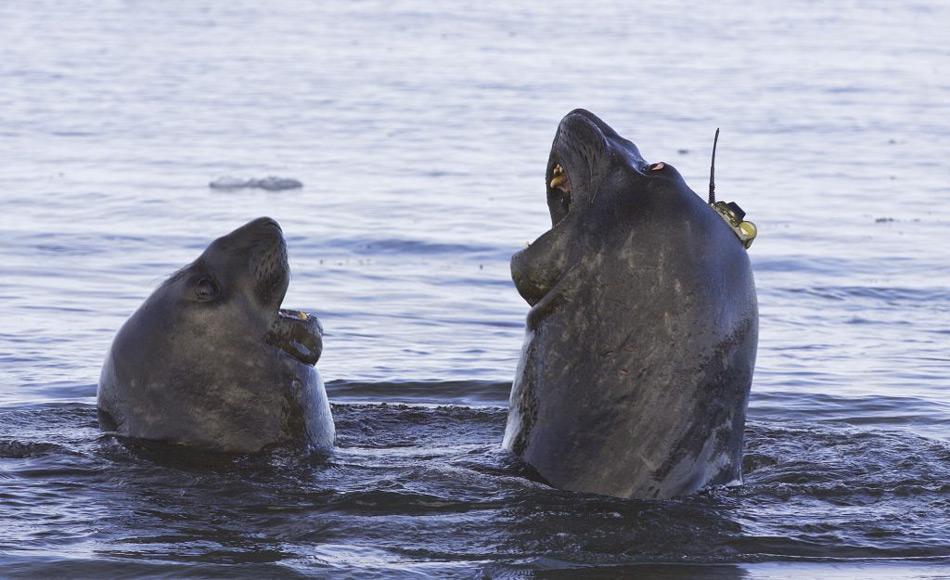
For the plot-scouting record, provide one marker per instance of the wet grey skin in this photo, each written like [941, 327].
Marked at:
[211, 361]
[641, 339]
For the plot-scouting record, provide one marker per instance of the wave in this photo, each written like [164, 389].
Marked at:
[931, 416]
[925, 297]
[367, 245]
[473, 393]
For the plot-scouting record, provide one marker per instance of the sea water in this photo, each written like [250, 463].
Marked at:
[420, 132]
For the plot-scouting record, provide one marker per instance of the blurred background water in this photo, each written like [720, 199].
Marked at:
[421, 133]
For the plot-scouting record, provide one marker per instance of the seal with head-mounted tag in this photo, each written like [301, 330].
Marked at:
[642, 333]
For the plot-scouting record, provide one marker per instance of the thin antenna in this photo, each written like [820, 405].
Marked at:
[712, 170]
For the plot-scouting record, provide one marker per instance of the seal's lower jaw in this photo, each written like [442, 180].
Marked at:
[536, 268]
[527, 286]
[298, 334]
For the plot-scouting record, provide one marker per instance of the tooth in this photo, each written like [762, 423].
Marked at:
[558, 180]
[558, 169]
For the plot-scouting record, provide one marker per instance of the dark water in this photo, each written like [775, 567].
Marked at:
[420, 133]
[423, 488]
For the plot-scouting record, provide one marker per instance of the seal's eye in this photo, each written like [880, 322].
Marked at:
[205, 289]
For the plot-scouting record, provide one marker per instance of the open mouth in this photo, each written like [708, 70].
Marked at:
[559, 193]
[297, 333]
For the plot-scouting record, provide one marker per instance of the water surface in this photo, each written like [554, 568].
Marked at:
[421, 135]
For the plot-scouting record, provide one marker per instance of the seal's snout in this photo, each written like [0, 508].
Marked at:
[262, 241]
[579, 149]
[262, 229]
[584, 129]
[272, 271]
[298, 334]
[265, 224]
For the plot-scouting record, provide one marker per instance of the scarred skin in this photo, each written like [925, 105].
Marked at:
[641, 340]
[206, 360]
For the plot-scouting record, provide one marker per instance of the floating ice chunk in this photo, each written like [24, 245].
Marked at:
[270, 183]
[228, 183]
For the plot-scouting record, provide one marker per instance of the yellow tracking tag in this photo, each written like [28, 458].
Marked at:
[733, 214]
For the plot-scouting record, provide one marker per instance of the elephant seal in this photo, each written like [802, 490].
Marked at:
[641, 339]
[211, 361]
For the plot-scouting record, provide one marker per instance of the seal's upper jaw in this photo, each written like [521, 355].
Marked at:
[580, 150]
[269, 263]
